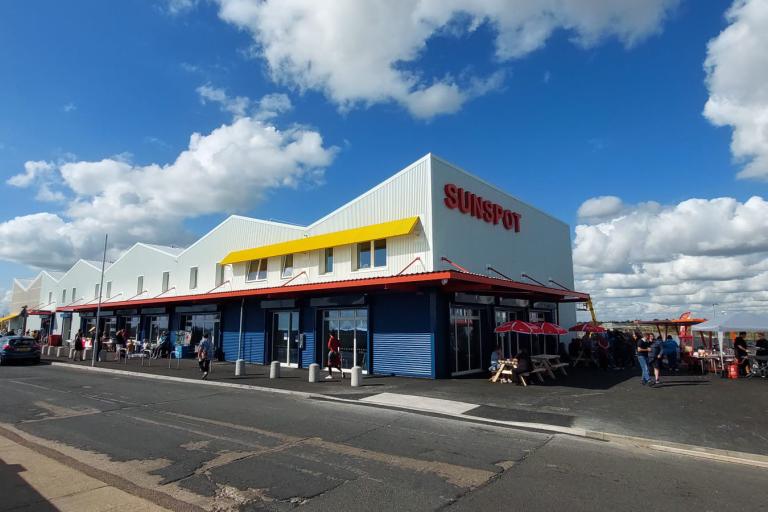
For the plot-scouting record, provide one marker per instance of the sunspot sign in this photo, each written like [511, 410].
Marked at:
[469, 203]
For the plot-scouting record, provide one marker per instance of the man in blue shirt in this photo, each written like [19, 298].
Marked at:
[204, 352]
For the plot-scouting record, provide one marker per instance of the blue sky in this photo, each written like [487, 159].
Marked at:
[84, 81]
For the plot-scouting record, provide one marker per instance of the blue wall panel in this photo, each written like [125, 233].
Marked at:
[308, 354]
[253, 333]
[402, 337]
[408, 354]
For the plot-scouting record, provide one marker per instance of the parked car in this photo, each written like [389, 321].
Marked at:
[19, 348]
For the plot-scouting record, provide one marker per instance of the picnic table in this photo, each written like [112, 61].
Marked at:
[506, 367]
[550, 363]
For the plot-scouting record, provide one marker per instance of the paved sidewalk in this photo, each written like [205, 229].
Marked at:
[30, 481]
[697, 410]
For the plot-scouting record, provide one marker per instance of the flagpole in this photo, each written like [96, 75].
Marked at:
[95, 342]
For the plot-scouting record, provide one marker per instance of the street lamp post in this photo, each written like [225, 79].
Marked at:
[95, 345]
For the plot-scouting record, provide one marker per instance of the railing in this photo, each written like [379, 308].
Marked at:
[163, 293]
[218, 286]
[526, 276]
[455, 265]
[414, 260]
[496, 271]
[294, 277]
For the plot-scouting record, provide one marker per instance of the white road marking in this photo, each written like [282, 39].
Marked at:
[421, 403]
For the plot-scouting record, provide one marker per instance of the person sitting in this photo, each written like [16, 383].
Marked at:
[761, 345]
[495, 356]
[163, 346]
[521, 364]
[669, 348]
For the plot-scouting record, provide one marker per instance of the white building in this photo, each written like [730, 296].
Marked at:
[411, 276]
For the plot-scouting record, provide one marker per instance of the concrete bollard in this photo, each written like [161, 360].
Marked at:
[357, 376]
[274, 370]
[59, 350]
[314, 372]
[240, 367]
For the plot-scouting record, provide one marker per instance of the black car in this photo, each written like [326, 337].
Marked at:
[19, 348]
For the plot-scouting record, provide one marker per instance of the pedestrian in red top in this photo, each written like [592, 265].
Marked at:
[334, 357]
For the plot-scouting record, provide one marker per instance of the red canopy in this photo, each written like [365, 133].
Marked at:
[587, 327]
[518, 326]
[550, 328]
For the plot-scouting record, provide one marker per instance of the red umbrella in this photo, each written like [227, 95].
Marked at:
[518, 326]
[550, 328]
[587, 327]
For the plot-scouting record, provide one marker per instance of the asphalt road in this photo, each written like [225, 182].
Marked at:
[190, 447]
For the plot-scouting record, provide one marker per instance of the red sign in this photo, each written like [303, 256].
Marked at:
[472, 204]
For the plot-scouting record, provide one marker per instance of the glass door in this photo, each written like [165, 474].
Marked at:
[350, 327]
[466, 341]
[508, 341]
[285, 337]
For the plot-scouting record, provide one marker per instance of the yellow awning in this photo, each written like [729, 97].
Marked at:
[9, 317]
[311, 243]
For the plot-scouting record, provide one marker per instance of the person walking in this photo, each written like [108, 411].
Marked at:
[204, 351]
[643, 349]
[334, 357]
[654, 357]
[77, 344]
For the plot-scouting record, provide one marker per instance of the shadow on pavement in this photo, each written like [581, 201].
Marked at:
[17, 493]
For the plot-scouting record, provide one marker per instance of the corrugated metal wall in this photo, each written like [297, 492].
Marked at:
[406, 354]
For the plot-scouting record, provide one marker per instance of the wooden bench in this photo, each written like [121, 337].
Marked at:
[504, 371]
[560, 366]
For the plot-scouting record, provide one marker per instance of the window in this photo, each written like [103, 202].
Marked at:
[380, 253]
[257, 270]
[50, 297]
[219, 275]
[139, 285]
[63, 297]
[286, 269]
[364, 255]
[326, 266]
[96, 291]
[193, 278]
[166, 281]
[364, 251]
[109, 289]
[74, 294]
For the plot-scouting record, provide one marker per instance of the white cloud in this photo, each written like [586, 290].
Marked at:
[360, 53]
[174, 7]
[69, 107]
[737, 79]
[273, 105]
[600, 207]
[227, 170]
[237, 106]
[33, 170]
[649, 260]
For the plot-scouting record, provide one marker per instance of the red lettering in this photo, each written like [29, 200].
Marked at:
[487, 211]
[508, 219]
[483, 209]
[465, 200]
[451, 196]
[498, 211]
[477, 207]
